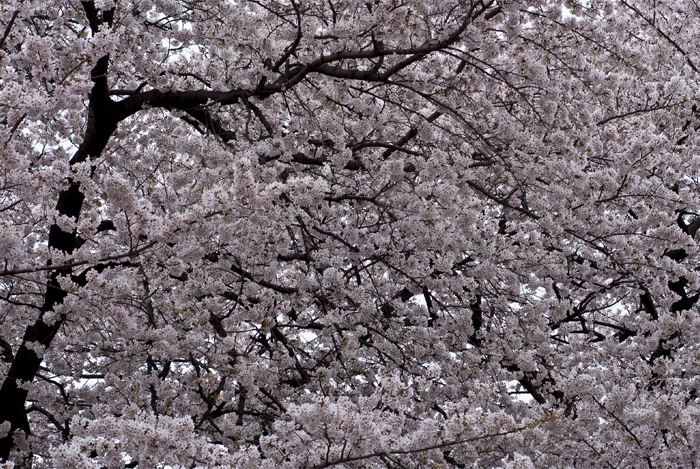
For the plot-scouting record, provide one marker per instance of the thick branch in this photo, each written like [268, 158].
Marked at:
[101, 124]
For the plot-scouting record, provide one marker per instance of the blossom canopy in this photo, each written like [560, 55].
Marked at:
[340, 233]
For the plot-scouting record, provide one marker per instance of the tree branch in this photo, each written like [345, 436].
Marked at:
[8, 28]
[419, 450]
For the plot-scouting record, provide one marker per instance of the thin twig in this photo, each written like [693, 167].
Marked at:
[8, 28]
[77, 263]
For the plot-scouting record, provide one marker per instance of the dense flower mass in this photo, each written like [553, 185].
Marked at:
[340, 233]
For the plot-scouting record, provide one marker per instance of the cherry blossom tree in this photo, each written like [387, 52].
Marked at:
[339, 233]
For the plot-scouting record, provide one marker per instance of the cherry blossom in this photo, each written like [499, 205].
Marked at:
[297, 233]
